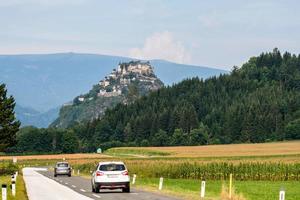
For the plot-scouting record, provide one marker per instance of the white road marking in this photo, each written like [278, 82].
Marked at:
[74, 186]
[134, 193]
[96, 196]
[66, 183]
[82, 190]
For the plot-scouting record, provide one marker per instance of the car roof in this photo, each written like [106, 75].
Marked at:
[62, 163]
[111, 162]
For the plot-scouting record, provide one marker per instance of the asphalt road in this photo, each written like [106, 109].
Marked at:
[40, 187]
[83, 187]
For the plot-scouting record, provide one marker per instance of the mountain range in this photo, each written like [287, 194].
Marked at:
[41, 83]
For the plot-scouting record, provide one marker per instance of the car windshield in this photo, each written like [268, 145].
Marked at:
[112, 167]
[62, 165]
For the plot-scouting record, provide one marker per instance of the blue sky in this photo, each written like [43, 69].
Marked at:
[210, 33]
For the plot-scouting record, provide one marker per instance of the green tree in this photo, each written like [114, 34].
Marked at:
[9, 126]
[160, 138]
[69, 142]
[133, 93]
[292, 129]
[178, 138]
[200, 135]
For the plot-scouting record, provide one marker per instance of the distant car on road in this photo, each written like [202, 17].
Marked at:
[110, 175]
[62, 168]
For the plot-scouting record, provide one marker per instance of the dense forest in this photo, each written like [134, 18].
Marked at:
[258, 102]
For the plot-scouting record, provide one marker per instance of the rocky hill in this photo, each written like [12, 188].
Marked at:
[125, 84]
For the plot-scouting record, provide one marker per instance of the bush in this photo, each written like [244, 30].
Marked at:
[9, 168]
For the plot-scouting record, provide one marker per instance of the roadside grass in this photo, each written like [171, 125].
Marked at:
[135, 152]
[20, 187]
[250, 190]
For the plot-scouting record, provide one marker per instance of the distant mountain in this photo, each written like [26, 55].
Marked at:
[125, 84]
[29, 116]
[47, 81]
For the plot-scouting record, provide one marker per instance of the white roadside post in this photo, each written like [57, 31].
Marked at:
[161, 181]
[230, 186]
[13, 178]
[16, 174]
[4, 192]
[73, 171]
[78, 172]
[133, 179]
[282, 194]
[15, 159]
[202, 192]
[13, 188]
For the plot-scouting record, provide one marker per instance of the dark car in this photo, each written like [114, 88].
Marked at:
[62, 168]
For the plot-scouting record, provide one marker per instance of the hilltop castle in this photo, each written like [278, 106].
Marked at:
[125, 74]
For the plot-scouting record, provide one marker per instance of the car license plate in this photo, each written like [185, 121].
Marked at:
[112, 176]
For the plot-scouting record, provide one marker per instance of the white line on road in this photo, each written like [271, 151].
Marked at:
[96, 196]
[74, 186]
[134, 193]
[82, 190]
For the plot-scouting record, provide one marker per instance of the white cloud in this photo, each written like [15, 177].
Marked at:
[162, 45]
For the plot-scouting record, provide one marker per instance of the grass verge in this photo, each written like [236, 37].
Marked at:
[250, 190]
[135, 152]
[20, 187]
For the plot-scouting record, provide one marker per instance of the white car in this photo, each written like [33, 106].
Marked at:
[111, 175]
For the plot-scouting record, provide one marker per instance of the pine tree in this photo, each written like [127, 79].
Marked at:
[8, 123]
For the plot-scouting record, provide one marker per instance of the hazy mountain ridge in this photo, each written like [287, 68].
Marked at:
[46, 81]
[29, 116]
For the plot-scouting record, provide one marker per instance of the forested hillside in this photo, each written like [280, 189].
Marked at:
[258, 102]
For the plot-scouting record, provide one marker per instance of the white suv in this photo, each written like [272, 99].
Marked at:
[110, 175]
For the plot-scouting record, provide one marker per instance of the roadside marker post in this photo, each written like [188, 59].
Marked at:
[133, 179]
[4, 192]
[282, 194]
[202, 192]
[13, 188]
[15, 159]
[78, 172]
[230, 186]
[73, 171]
[161, 181]
[13, 178]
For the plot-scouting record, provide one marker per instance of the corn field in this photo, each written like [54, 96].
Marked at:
[210, 171]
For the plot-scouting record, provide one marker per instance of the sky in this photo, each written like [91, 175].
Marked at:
[213, 33]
